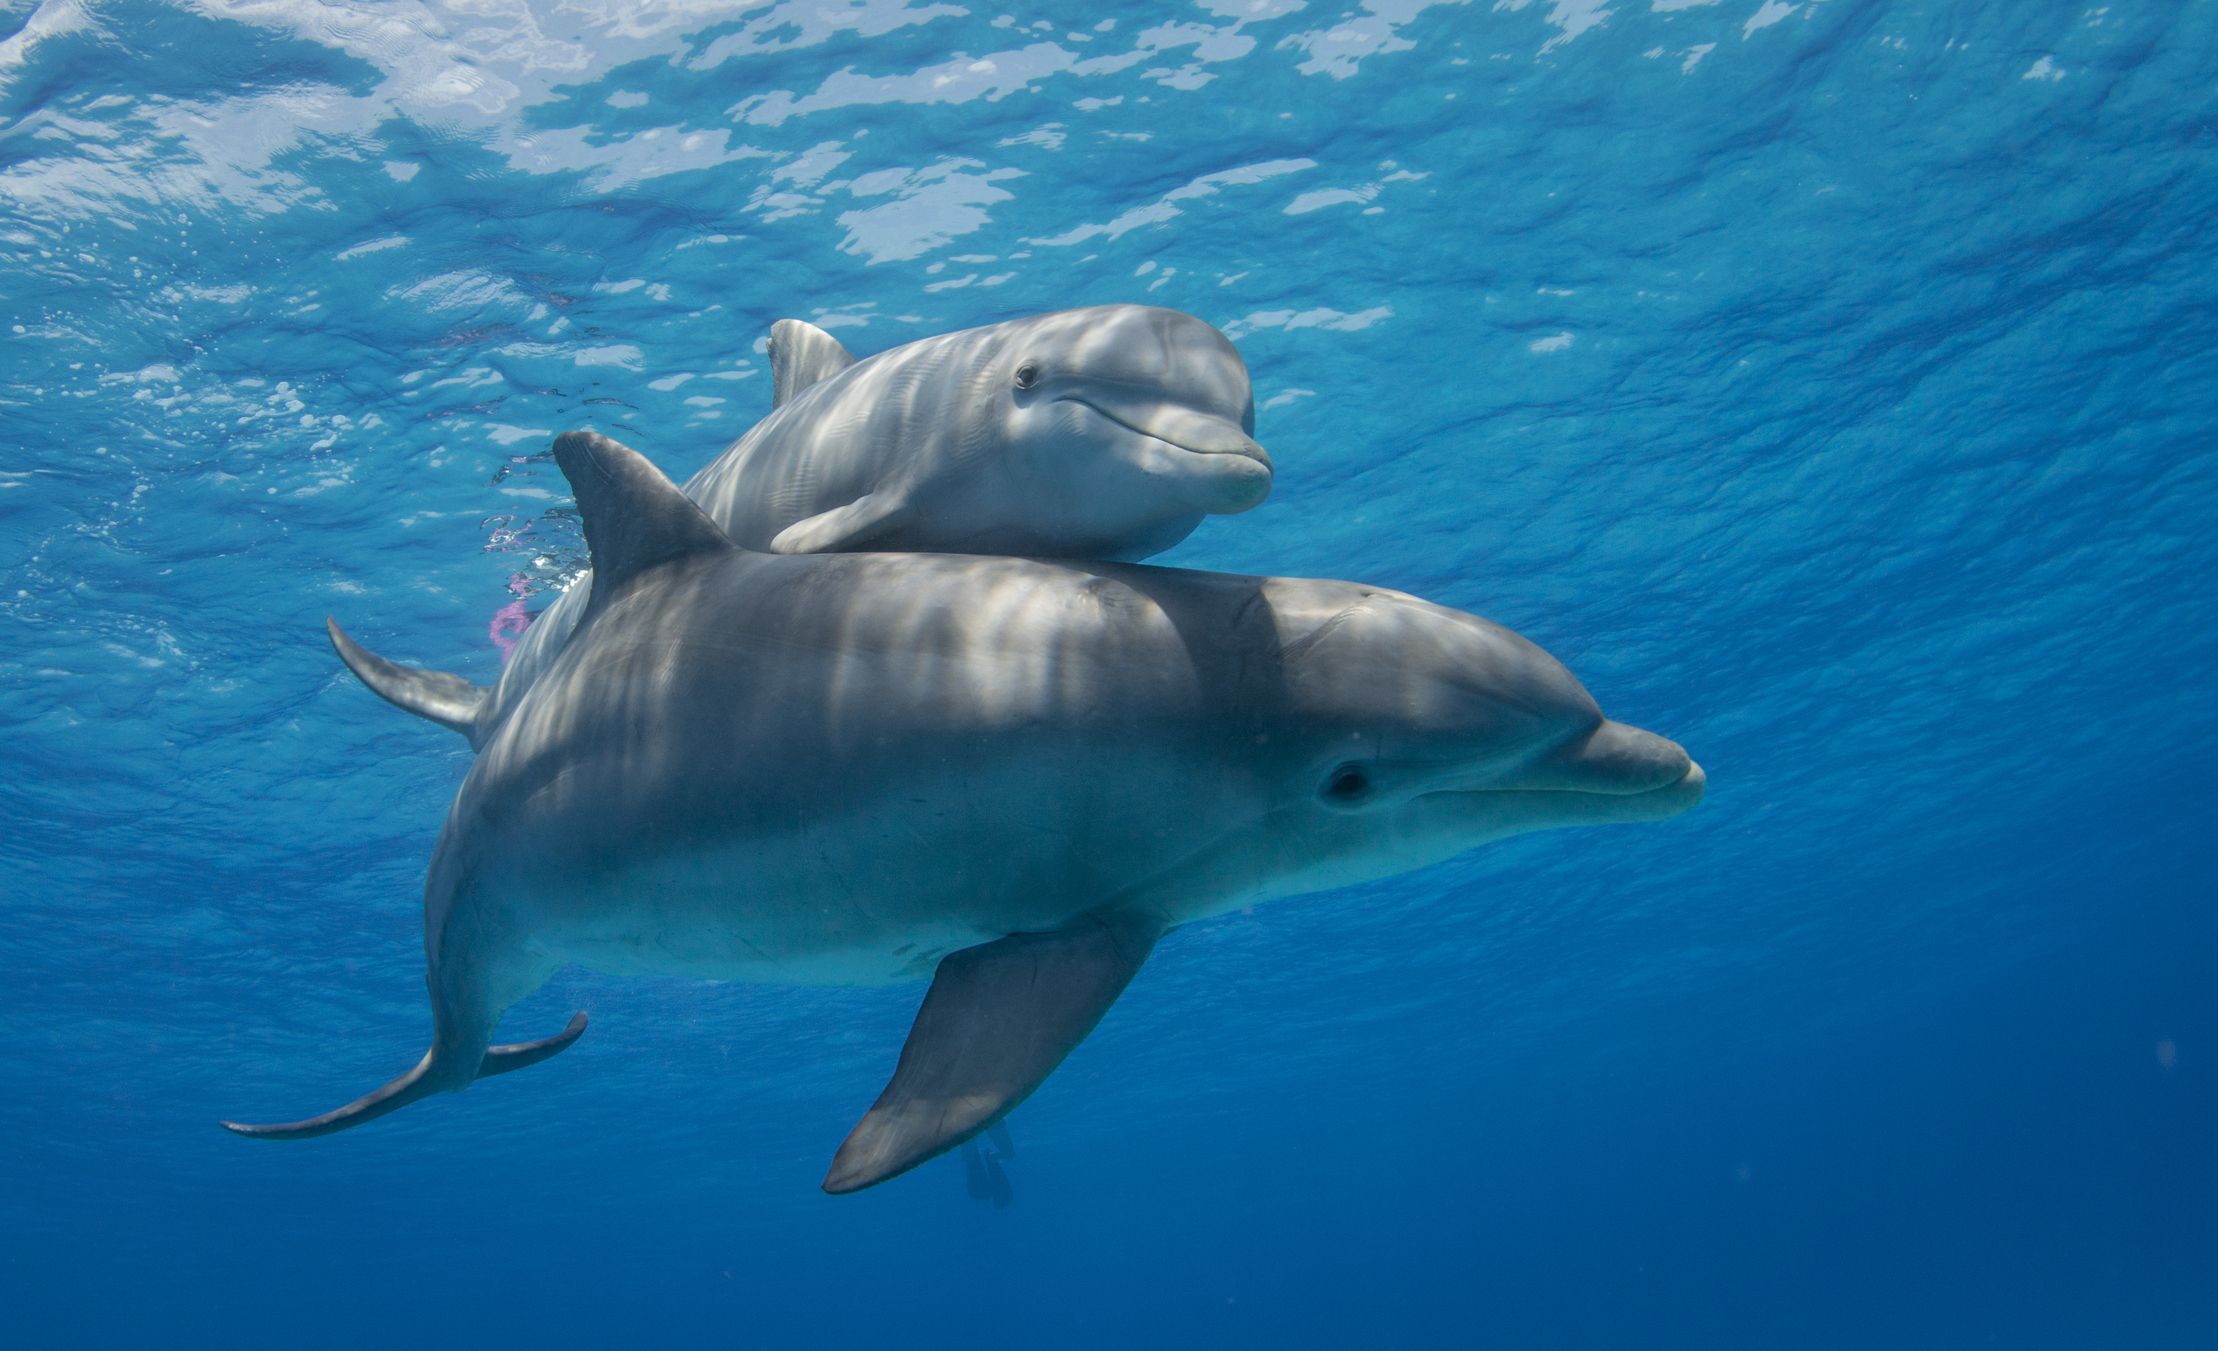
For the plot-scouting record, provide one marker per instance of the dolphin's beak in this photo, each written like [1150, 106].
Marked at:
[1187, 428]
[1647, 777]
[1226, 470]
[1614, 758]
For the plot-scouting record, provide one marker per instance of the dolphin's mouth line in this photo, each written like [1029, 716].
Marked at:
[1250, 451]
[1679, 784]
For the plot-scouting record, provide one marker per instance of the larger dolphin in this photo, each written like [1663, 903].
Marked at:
[1104, 433]
[1008, 775]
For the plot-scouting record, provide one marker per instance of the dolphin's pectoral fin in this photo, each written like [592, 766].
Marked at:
[524, 1054]
[998, 1019]
[853, 526]
[802, 354]
[448, 700]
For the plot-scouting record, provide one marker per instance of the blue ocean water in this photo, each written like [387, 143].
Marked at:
[1833, 385]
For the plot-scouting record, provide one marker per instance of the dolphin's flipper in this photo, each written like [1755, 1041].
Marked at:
[448, 700]
[842, 528]
[998, 1019]
[802, 354]
[413, 1086]
[1003, 1145]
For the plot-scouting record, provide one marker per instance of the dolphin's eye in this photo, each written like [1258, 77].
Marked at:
[1347, 786]
[1028, 375]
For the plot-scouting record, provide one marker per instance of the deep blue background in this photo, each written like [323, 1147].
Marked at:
[1833, 385]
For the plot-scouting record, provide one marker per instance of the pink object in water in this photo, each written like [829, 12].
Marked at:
[510, 621]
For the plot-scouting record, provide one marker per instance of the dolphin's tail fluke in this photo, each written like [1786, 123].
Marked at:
[420, 1082]
[448, 700]
[398, 1094]
[520, 1055]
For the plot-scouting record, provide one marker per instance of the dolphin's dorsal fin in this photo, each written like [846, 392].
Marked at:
[448, 700]
[800, 355]
[635, 519]
[998, 1019]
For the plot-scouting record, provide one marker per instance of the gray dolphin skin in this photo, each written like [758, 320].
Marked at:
[1009, 776]
[1102, 433]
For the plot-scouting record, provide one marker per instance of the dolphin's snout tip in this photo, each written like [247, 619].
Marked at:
[1224, 474]
[1213, 437]
[1681, 795]
[1247, 473]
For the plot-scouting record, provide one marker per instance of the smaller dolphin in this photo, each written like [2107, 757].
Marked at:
[1104, 433]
